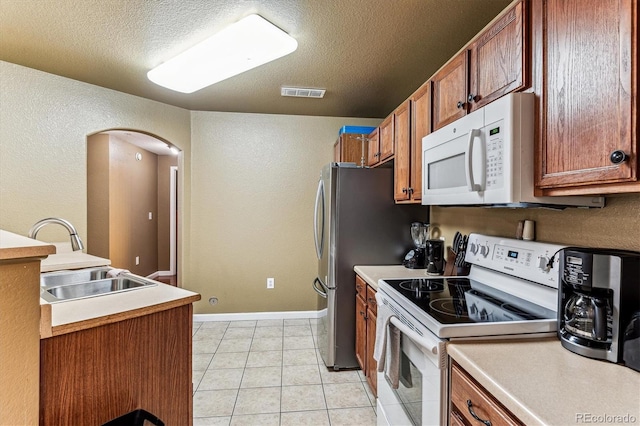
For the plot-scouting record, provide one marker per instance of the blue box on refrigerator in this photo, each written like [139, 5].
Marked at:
[361, 130]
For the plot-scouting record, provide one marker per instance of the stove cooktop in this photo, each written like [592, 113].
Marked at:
[455, 301]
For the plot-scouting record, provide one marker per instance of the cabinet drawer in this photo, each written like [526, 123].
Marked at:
[469, 399]
[361, 288]
[371, 300]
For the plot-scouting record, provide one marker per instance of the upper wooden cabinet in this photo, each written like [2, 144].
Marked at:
[402, 138]
[497, 59]
[351, 148]
[408, 157]
[373, 148]
[381, 143]
[586, 77]
[449, 91]
[494, 64]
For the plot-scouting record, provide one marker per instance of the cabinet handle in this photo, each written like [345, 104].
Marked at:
[460, 105]
[475, 416]
[404, 190]
[618, 156]
[471, 97]
[410, 191]
[371, 300]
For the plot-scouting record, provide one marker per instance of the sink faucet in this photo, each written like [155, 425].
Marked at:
[76, 242]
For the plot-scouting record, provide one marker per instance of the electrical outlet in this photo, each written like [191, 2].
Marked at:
[271, 282]
[137, 260]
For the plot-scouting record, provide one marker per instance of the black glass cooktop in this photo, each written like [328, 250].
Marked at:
[448, 301]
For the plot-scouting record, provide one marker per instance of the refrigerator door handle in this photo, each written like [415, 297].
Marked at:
[319, 291]
[319, 240]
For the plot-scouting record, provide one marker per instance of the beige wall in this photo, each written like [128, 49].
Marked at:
[254, 179]
[44, 124]
[615, 226]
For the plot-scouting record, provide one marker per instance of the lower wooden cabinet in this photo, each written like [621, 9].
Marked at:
[94, 375]
[366, 310]
[471, 404]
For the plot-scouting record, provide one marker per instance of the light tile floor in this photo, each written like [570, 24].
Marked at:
[269, 372]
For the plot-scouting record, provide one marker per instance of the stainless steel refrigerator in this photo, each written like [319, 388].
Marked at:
[356, 223]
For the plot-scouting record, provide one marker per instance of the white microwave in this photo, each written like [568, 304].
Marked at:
[487, 158]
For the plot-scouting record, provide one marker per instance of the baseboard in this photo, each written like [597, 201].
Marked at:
[250, 316]
[159, 274]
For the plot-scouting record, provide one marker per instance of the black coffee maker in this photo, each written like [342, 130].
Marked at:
[598, 296]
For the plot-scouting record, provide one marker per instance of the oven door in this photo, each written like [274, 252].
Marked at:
[421, 397]
[453, 163]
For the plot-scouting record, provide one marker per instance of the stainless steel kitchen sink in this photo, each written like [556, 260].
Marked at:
[83, 283]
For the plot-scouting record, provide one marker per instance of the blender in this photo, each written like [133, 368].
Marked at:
[416, 259]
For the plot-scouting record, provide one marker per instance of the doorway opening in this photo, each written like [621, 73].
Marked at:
[133, 202]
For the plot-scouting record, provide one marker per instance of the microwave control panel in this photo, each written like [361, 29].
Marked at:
[494, 167]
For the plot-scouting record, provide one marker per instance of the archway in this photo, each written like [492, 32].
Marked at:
[132, 202]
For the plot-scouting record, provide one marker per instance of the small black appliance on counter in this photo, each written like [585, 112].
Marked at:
[416, 258]
[599, 304]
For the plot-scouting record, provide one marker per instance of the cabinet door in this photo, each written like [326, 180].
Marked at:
[473, 402]
[586, 75]
[373, 149]
[361, 332]
[401, 164]
[420, 127]
[386, 133]
[449, 91]
[497, 59]
[372, 364]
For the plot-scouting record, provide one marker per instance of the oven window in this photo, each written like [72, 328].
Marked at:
[447, 173]
[409, 391]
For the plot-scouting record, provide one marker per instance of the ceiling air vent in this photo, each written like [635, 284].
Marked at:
[302, 92]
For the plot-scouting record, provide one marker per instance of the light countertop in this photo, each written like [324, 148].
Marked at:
[371, 274]
[75, 315]
[543, 383]
[65, 258]
[14, 246]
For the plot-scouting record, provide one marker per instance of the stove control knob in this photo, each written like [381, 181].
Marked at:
[484, 251]
[474, 248]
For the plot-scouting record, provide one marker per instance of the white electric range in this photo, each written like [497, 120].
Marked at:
[511, 292]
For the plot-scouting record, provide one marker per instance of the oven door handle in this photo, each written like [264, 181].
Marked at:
[425, 343]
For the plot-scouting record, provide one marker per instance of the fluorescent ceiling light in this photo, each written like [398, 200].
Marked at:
[250, 42]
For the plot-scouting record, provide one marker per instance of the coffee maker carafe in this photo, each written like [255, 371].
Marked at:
[598, 294]
[416, 258]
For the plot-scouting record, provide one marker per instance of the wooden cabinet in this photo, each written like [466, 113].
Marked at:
[97, 374]
[497, 59]
[494, 64]
[449, 91]
[373, 148]
[366, 310]
[402, 160]
[382, 143]
[471, 404]
[586, 77]
[351, 148]
[372, 365]
[408, 157]
[361, 329]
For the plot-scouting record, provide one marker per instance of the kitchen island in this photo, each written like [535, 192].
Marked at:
[105, 356]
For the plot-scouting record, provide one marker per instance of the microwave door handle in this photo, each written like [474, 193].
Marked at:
[471, 184]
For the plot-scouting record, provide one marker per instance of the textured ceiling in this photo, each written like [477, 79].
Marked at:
[369, 55]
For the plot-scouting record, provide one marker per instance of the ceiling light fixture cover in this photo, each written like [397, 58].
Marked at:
[250, 42]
